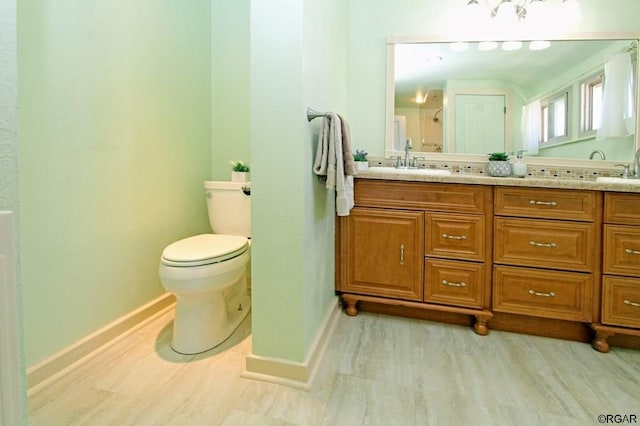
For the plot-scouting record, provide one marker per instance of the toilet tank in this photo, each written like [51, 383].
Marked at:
[229, 207]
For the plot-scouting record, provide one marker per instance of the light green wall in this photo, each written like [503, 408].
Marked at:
[298, 59]
[371, 22]
[115, 135]
[231, 92]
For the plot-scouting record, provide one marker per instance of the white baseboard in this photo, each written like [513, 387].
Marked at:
[290, 373]
[51, 368]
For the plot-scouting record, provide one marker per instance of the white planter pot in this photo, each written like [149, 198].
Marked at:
[239, 176]
[362, 165]
[499, 168]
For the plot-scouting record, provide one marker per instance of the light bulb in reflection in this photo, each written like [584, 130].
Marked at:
[511, 45]
[487, 45]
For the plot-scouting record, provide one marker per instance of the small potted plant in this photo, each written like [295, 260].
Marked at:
[240, 171]
[499, 164]
[360, 157]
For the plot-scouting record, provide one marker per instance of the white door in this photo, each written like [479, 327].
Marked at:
[480, 123]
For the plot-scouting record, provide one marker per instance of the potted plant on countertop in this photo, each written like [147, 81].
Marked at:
[360, 157]
[499, 164]
[240, 171]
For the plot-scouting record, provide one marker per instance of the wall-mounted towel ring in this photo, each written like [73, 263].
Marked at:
[311, 114]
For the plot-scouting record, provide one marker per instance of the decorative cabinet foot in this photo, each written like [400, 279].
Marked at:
[350, 305]
[480, 327]
[599, 342]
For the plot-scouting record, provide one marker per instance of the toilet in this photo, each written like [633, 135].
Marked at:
[209, 274]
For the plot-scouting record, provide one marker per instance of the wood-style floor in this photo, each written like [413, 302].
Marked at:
[378, 370]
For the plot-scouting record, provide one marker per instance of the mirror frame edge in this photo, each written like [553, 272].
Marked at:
[392, 40]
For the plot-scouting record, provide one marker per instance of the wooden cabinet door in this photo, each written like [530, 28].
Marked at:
[383, 252]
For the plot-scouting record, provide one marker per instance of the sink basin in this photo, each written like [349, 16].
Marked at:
[425, 172]
[628, 181]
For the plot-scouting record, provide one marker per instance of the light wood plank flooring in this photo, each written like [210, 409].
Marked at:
[378, 370]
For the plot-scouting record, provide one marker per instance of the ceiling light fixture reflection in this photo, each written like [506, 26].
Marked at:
[420, 98]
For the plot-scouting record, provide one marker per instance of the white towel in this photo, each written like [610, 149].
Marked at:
[329, 162]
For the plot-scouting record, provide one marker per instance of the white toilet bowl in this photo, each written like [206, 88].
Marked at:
[208, 274]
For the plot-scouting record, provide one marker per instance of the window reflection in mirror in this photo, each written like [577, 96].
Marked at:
[555, 118]
[566, 79]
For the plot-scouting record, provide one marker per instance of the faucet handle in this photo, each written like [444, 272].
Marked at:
[398, 159]
[626, 173]
[414, 161]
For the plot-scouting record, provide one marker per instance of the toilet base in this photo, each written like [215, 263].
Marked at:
[201, 326]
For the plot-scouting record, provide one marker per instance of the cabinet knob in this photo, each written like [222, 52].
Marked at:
[630, 303]
[629, 251]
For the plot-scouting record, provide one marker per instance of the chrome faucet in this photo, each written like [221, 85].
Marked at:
[407, 146]
[597, 151]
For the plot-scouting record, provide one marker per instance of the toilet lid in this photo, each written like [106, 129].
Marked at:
[204, 249]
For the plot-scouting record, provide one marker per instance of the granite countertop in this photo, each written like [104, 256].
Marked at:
[387, 173]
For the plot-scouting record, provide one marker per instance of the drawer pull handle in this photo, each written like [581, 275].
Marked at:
[634, 304]
[454, 237]
[445, 282]
[402, 254]
[535, 293]
[550, 245]
[629, 251]
[543, 203]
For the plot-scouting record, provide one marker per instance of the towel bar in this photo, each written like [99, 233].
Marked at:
[311, 114]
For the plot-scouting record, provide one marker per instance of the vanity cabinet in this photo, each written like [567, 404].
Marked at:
[420, 245]
[621, 269]
[546, 252]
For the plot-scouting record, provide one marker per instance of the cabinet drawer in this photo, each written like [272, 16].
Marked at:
[456, 236]
[422, 196]
[545, 203]
[545, 243]
[621, 302]
[453, 283]
[549, 294]
[622, 208]
[622, 250]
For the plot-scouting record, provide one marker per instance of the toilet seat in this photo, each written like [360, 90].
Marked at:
[204, 249]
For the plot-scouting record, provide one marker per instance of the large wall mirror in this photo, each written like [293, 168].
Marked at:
[552, 98]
